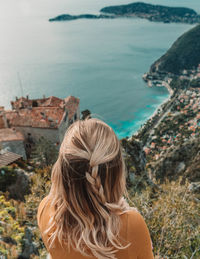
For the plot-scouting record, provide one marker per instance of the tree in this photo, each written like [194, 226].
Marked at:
[44, 152]
[85, 114]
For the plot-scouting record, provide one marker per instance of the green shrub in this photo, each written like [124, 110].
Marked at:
[172, 216]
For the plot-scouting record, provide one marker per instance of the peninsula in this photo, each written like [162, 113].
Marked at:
[162, 159]
[179, 67]
[68, 17]
[155, 13]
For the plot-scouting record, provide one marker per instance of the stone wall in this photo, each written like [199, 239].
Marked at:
[15, 147]
[66, 123]
[35, 133]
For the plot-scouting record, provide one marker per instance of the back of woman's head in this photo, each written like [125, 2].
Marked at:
[88, 184]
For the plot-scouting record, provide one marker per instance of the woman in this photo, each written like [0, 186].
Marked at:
[85, 214]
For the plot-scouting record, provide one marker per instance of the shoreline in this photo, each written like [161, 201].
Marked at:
[159, 107]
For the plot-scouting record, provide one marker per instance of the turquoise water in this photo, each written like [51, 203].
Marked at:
[99, 61]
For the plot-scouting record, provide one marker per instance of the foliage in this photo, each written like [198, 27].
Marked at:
[195, 83]
[177, 83]
[7, 177]
[184, 53]
[12, 215]
[171, 213]
[45, 152]
[40, 188]
[85, 114]
[172, 216]
[15, 216]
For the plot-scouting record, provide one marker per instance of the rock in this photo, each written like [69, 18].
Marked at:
[135, 159]
[9, 240]
[183, 160]
[180, 167]
[28, 247]
[21, 186]
[134, 149]
[194, 187]
[29, 168]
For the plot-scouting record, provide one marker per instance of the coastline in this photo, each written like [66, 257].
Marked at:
[156, 112]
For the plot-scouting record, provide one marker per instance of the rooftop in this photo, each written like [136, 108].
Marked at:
[9, 134]
[41, 113]
[8, 158]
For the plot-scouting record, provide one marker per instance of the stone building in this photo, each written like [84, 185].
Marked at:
[35, 118]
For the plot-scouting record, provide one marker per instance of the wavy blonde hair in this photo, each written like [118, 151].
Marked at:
[88, 185]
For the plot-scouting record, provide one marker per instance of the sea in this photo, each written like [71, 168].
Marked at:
[99, 61]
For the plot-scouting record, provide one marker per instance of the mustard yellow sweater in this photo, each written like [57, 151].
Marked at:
[133, 229]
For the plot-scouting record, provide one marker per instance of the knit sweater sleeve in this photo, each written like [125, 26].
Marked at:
[139, 237]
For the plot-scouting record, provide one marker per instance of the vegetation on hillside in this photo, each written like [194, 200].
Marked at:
[184, 54]
[148, 9]
[171, 214]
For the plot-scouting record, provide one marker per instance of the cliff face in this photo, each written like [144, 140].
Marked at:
[184, 54]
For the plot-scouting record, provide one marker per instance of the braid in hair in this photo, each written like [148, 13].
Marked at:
[87, 211]
[97, 188]
[95, 181]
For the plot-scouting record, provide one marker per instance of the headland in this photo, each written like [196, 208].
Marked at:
[154, 13]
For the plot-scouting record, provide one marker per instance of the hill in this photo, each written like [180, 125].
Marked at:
[154, 12]
[184, 54]
[68, 17]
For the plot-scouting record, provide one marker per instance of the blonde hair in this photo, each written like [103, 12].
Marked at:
[88, 185]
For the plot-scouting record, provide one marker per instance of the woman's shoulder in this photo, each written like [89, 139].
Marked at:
[132, 214]
[44, 204]
[135, 220]
[138, 234]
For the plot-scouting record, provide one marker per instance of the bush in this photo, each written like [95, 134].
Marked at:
[11, 227]
[8, 176]
[44, 152]
[172, 216]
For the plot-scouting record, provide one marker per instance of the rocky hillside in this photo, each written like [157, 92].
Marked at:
[182, 160]
[184, 54]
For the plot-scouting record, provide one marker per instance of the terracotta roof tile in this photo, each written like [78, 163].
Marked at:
[48, 113]
[39, 117]
[8, 158]
[10, 134]
[53, 102]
